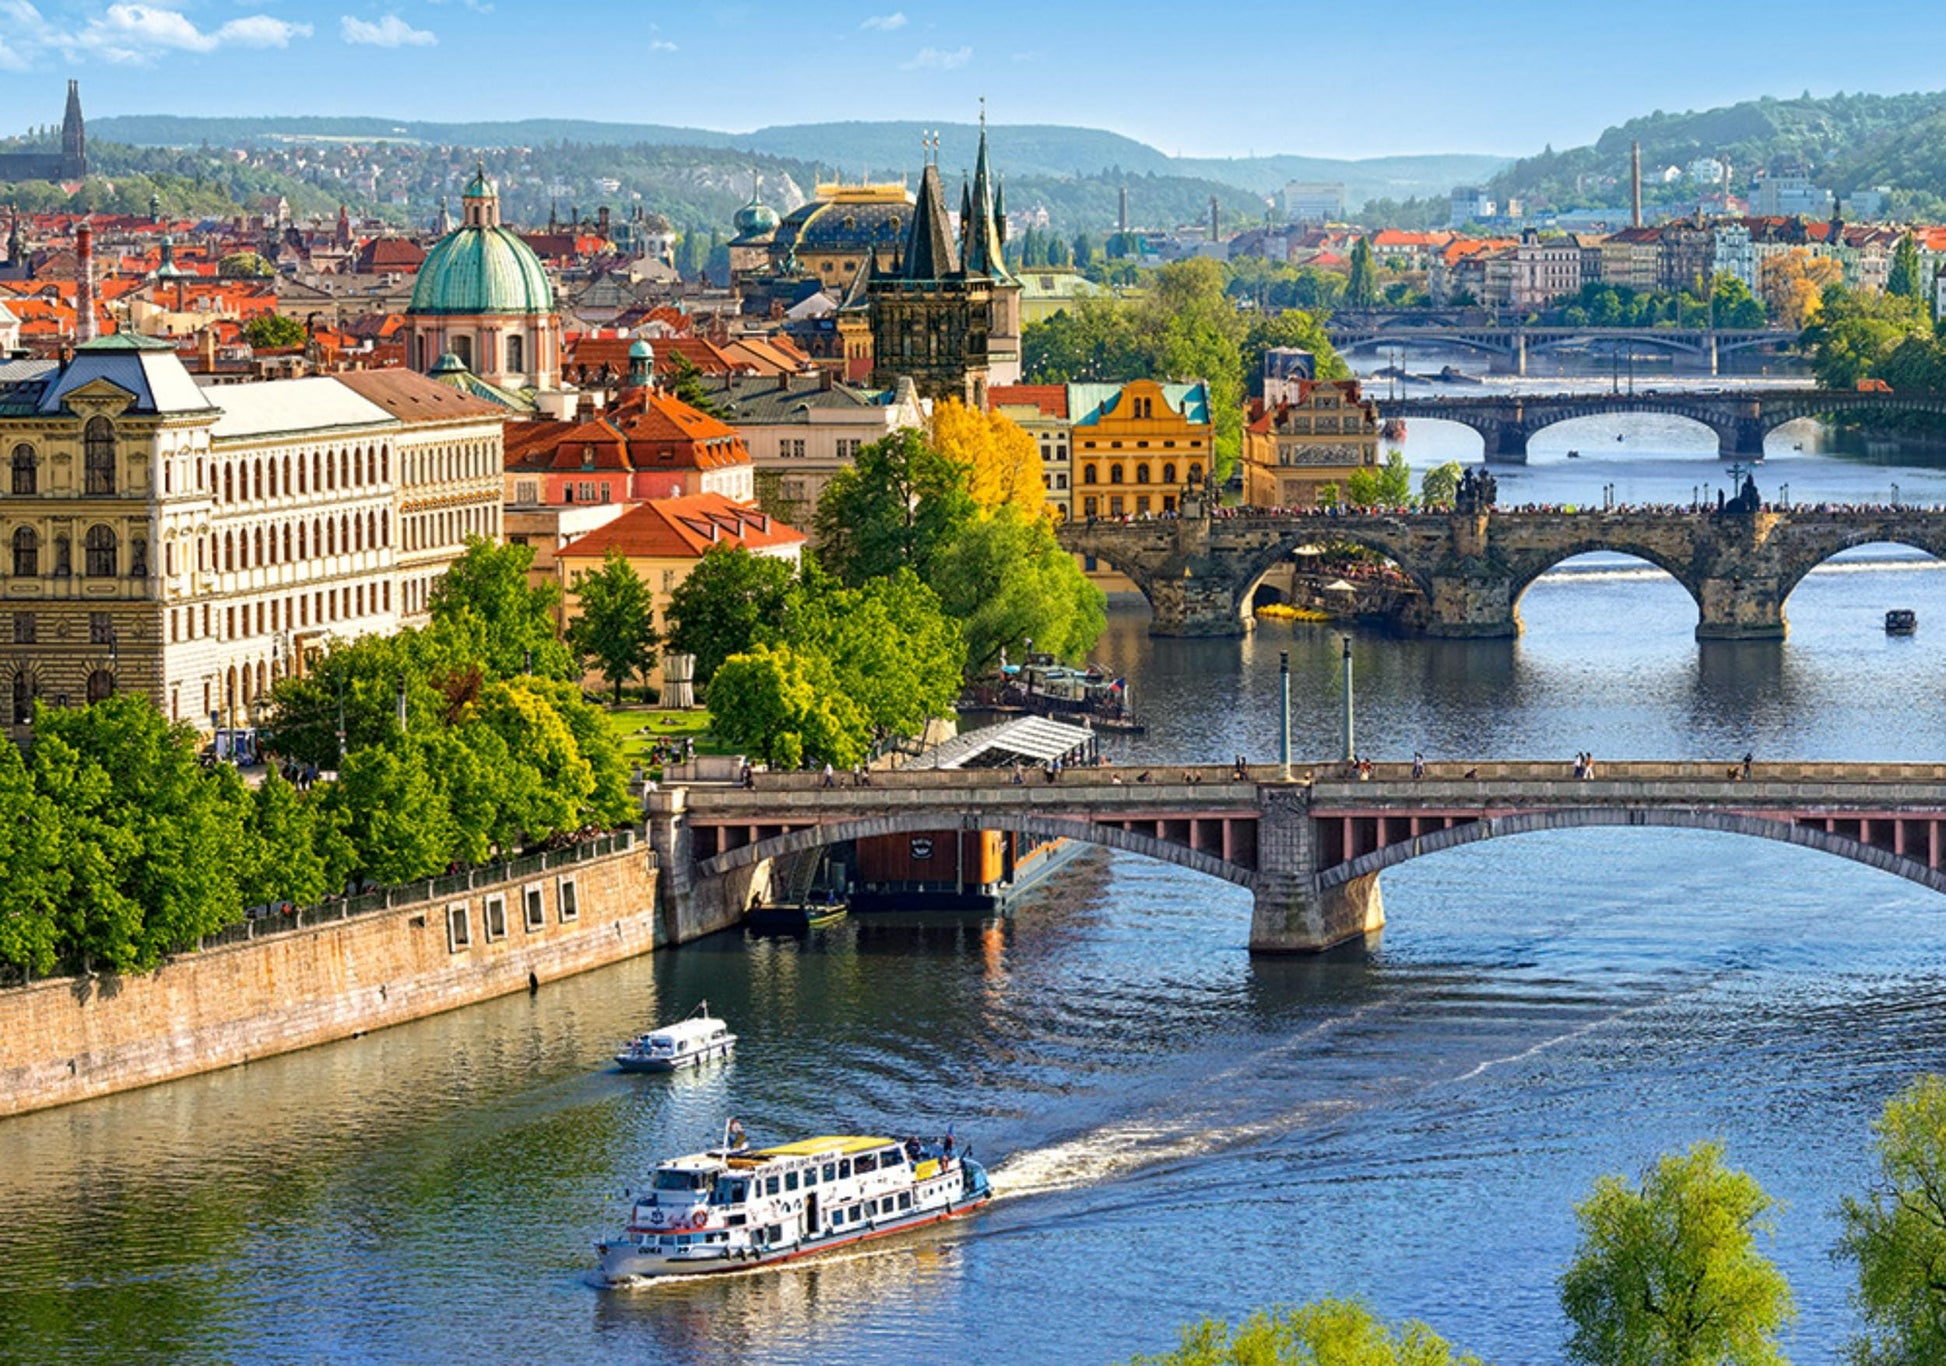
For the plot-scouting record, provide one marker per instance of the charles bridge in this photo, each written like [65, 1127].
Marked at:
[1309, 847]
[1740, 418]
[1198, 571]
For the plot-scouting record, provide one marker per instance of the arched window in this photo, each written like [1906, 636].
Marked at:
[516, 353]
[229, 552]
[1114, 474]
[258, 558]
[344, 469]
[287, 474]
[330, 537]
[1088, 474]
[100, 551]
[26, 469]
[138, 558]
[27, 553]
[63, 559]
[257, 480]
[23, 699]
[371, 530]
[98, 455]
[287, 542]
[357, 533]
[229, 484]
[303, 543]
[1195, 473]
[385, 527]
[1168, 474]
[101, 686]
[1141, 474]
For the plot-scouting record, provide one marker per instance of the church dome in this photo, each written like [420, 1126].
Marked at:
[755, 217]
[481, 267]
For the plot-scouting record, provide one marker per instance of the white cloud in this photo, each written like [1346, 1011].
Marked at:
[885, 23]
[1029, 56]
[140, 33]
[391, 31]
[661, 45]
[933, 59]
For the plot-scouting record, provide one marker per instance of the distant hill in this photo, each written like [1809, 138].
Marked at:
[1036, 154]
[1847, 141]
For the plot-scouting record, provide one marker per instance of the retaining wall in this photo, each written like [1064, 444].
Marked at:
[285, 983]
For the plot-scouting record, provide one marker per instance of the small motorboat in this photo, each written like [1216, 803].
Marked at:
[688, 1043]
[1574, 455]
[792, 917]
[1901, 621]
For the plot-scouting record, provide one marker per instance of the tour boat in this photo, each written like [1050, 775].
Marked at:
[733, 1208]
[686, 1043]
[1901, 621]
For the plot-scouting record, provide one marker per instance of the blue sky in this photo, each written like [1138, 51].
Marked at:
[1226, 78]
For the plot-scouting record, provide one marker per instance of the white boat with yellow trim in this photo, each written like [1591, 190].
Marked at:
[734, 1208]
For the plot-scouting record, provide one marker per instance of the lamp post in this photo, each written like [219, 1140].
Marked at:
[1351, 748]
[341, 721]
[401, 703]
[1284, 714]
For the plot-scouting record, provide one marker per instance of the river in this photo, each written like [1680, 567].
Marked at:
[1176, 1128]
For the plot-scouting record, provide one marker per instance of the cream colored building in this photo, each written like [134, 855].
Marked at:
[1316, 438]
[195, 545]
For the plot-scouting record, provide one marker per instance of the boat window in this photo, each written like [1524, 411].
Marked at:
[682, 1045]
[905, 1200]
[770, 1185]
[865, 1162]
[790, 1181]
[810, 1176]
[844, 1167]
[889, 1157]
[680, 1181]
[830, 1171]
[837, 1217]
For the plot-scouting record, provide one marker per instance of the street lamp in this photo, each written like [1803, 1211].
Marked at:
[1351, 749]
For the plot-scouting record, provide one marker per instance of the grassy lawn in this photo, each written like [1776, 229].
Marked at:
[635, 725]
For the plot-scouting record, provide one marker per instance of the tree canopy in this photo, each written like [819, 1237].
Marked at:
[1667, 1272]
[1330, 1332]
[487, 590]
[274, 331]
[1002, 462]
[726, 604]
[1896, 1233]
[896, 507]
[616, 626]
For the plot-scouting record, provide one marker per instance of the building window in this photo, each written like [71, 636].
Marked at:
[63, 558]
[100, 552]
[1168, 474]
[1141, 474]
[27, 553]
[1088, 474]
[101, 686]
[534, 912]
[1090, 506]
[98, 455]
[1115, 508]
[496, 918]
[26, 470]
[462, 349]
[566, 902]
[459, 928]
[516, 353]
[24, 628]
[1114, 474]
[138, 558]
[101, 628]
[23, 698]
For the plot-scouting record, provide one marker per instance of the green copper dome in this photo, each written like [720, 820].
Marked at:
[482, 270]
[482, 267]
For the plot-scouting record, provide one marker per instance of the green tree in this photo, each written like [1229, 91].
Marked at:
[244, 265]
[616, 627]
[779, 705]
[400, 824]
[32, 840]
[292, 854]
[1854, 332]
[1439, 486]
[1361, 290]
[1733, 304]
[1896, 1233]
[681, 377]
[1292, 327]
[730, 601]
[1387, 485]
[274, 332]
[487, 589]
[899, 504]
[1328, 1333]
[1906, 280]
[1668, 1273]
[1006, 580]
[890, 646]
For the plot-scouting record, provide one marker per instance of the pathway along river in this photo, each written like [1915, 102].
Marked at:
[1177, 1129]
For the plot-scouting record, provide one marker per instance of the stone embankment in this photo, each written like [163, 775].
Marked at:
[287, 982]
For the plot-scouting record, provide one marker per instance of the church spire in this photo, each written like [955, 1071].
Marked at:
[74, 137]
[982, 254]
[929, 253]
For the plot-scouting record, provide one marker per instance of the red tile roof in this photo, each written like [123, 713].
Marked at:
[1051, 399]
[683, 528]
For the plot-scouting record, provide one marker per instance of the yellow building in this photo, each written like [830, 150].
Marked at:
[1316, 436]
[1135, 446]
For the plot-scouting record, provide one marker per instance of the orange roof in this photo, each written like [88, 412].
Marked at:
[683, 528]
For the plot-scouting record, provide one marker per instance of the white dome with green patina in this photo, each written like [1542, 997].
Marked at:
[482, 268]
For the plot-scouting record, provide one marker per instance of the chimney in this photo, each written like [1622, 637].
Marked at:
[1215, 221]
[824, 378]
[1121, 220]
[1635, 180]
[84, 282]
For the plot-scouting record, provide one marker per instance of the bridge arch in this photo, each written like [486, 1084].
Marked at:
[1798, 567]
[1724, 429]
[1457, 341]
[1253, 571]
[920, 822]
[1531, 567]
[1579, 818]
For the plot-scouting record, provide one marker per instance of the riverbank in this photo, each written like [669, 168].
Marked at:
[279, 984]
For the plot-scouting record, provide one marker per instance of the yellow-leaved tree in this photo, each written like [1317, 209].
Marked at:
[1002, 462]
[1793, 284]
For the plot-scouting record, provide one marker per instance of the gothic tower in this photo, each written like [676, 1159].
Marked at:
[929, 316]
[74, 138]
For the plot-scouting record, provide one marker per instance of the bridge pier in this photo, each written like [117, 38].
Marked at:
[1506, 444]
[1742, 439]
[1196, 606]
[1291, 912]
[1741, 609]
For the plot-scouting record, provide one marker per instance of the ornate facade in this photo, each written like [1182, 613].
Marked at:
[1316, 438]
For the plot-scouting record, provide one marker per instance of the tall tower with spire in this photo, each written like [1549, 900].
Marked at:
[931, 317]
[983, 239]
[74, 137]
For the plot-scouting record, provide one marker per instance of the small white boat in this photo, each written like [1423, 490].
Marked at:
[731, 1208]
[687, 1043]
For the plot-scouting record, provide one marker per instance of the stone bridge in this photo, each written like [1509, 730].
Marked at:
[1509, 347]
[1740, 418]
[1309, 852]
[1198, 572]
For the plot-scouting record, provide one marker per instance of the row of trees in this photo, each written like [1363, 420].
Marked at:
[1668, 1271]
[1187, 325]
[1855, 335]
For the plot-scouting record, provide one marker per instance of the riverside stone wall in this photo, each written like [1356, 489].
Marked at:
[440, 945]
